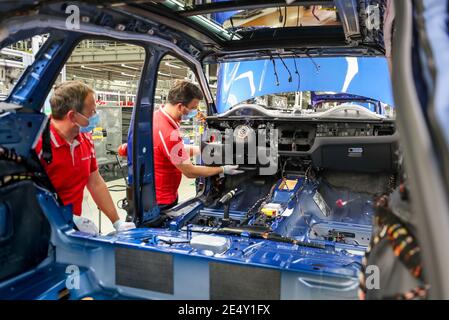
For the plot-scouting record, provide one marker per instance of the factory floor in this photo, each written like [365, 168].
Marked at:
[186, 190]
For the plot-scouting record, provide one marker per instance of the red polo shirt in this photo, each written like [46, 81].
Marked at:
[71, 166]
[168, 150]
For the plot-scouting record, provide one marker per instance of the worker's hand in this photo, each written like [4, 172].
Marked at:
[120, 225]
[231, 170]
[85, 225]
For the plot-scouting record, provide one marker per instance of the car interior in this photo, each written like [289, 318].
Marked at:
[296, 224]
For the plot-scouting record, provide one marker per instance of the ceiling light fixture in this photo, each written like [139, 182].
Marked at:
[89, 68]
[168, 64]
[163, 74]
[129, 67]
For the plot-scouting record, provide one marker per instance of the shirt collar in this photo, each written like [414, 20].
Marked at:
[59, 141]
[172, 121]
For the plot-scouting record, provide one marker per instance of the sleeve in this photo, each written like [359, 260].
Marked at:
[174, 147]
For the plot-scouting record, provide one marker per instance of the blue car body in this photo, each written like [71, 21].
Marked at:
[161, 263]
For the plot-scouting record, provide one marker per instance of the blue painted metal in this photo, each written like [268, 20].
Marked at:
[140, 143]
[44, 283]
[261, 253]
[357, 217]
[284, 196]
[33, 87]
[189, 211]
[95, 258]
[31, 78]
[50, 282]
[240, 81]
[19, 130]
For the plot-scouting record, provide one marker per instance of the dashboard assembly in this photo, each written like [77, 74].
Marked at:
[343, 145]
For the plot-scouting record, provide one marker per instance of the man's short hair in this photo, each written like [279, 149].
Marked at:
[184, 92]
[69, 95]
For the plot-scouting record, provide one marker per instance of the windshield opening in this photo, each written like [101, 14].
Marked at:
[310, 102]
[306, 85]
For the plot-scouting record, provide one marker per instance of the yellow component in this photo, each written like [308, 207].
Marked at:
[288, 184]
[97, 133]
[87, 298]
[269, 212]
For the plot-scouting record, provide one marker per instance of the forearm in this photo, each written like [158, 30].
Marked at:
[103, 200]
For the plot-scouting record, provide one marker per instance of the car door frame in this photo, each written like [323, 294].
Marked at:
[430, 204]
[141, 173]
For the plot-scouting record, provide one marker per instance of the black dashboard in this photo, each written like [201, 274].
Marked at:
[357, 145]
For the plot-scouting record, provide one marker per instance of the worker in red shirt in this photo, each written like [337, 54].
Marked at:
[74, 166]
[171, 156]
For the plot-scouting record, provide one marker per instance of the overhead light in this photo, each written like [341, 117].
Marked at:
[89, 68]
[164, 74]
[11, 63]
[12, 52]
[172, 65]
[127, 74]
[129, 67]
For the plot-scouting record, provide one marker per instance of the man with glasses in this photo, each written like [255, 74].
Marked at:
[74, 166]
[171, 156]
